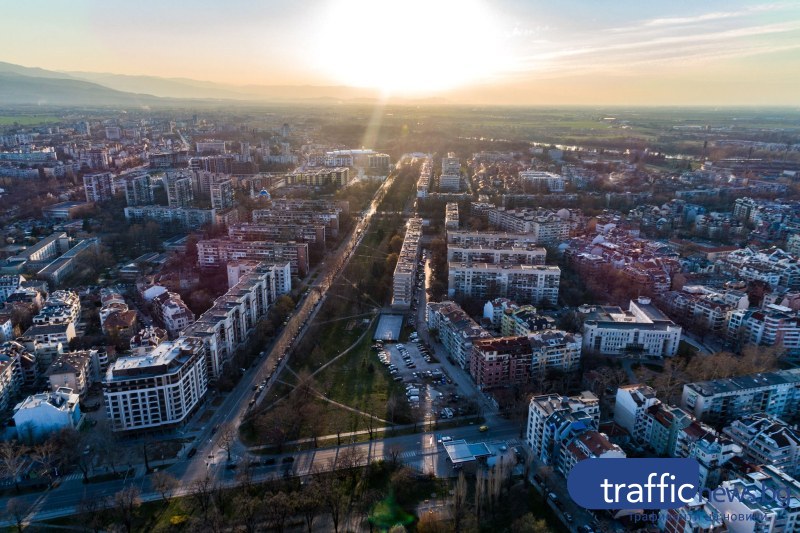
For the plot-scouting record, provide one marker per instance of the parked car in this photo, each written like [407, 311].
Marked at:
[483, 429]
[191, 453]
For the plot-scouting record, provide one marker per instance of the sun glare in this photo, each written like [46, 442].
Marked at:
[409, 46]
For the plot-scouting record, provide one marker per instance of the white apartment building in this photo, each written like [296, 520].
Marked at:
[554, 350]
[99, 187]
[723, 400]
[774, 325]
[61, 307]
[761, 489]
[491, 239]
[534, 284]
[9, 284]
[424, 180]
[545, 226]
[589, 444]
[643, 329]
[630, 409]
[405, 272]
[227, 325]
[222, 194]
[694, 517]
[40, 415]
[184, 217]
[217, 252]
[138, 190]
[767, 440]
[170, 308]
[451, 216]
[554, 419]
[543, 180]
[530, 255]
[11, 376]
[456, 330]
[158, 390]
[180, 189]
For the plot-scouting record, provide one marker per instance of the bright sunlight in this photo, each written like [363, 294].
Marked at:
[410, 46]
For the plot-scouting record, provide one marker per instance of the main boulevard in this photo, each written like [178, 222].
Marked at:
[418, 450]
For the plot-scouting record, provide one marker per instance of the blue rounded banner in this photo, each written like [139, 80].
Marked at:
[634, 483]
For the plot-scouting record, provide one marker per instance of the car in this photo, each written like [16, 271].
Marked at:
[268, 461]
[398, 378]
[568, 517]
[553, 496]
[231, 466]
[483, 429]
[214, 429]
[191, 453]
[287, 460]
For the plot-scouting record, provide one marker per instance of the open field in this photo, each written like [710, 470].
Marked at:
[26, 120]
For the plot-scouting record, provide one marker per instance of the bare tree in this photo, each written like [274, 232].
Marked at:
[126, 505]
[201, 495]
[333, 499]
[94, 512]
[279, 508]
[249, 512]
[309, 505]
[45, 455]
[227, 438]
[12, 460]
[18, 509]
[394, 454]
[165, 484]
[460, 494]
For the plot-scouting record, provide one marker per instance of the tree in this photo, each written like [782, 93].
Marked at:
[95, 511]
[333, 499]
[201, 495]
[528, 523]
[126, 505]
[45, 455]
[309, 504]
[460, 494]
[12, 460]
[165, 484]
[227, 438]
[279, 508]
[249, 511]
[18, 509]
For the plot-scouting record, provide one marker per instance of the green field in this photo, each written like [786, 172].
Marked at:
[26, 120]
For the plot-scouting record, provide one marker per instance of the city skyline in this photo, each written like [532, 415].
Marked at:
[509, 52]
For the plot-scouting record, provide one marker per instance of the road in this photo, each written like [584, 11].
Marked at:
[210, 458]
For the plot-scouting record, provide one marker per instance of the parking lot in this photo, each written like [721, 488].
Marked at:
[428, 386]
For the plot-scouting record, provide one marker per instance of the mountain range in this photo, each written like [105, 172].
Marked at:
[21, 85]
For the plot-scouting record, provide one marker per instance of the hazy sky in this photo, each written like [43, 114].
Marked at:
[502, 51]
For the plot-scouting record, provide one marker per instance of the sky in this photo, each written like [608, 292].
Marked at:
[681, 52]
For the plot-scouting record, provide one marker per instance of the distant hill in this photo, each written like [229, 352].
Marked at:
[21, 85]
[17, 89]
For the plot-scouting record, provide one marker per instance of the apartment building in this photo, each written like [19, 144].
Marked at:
[171, 310]
[61, 307]
[535, 284]
[40, 415]
[545, 226]
[776, 267]
[227, 325]
[542, 181]
[180, 189]
[697, 516]
[158, 390]
[589, 444]
[216, 252]
[300, 213]
[643, 329]
[706, 306]
[456, 330]
[312, 177]
[491, 239]
[767, 440]
[76, 371]
[183, 217]
[630, 409]
[8, 285]
[723, 400]
[222, 194]
[500, 362]
[405, 272]
[311, 233]
[553, 420]
[524, 320]
[138, 189]
[424, 180]
[774, 325]
[11, 374]
[99, 186]
[451, 216]
[772, 496]
[532, 255]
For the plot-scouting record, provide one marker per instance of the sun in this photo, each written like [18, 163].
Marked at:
[408, 46]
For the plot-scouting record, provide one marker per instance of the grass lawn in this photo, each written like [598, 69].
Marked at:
[26, 120]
